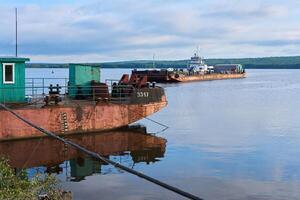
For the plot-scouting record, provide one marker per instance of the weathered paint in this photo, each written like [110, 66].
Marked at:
[80, 118]
[13, 92]
[164, 76]
[228, 67]
[82, 75]
[159, 76]
[206, 77]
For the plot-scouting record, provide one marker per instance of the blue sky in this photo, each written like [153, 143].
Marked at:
[101, 30]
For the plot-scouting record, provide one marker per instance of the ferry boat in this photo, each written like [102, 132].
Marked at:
[83, 104]
[196, 70]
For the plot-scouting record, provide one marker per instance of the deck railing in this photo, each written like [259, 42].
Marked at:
[36, 91]
[45, 82]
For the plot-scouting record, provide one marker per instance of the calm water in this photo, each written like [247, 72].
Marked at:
[230, 139]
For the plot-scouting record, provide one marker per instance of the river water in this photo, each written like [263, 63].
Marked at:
[229, 139]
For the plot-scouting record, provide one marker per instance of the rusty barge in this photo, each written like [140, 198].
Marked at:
[196, 70]
[82, 105]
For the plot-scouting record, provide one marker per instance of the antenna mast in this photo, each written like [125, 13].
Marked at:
[153, 61]
[16, 14]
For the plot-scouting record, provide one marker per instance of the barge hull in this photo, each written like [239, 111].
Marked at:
[206, 77]
[64, 120]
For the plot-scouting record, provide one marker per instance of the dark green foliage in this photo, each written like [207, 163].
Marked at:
[18, 186]
[292, 62]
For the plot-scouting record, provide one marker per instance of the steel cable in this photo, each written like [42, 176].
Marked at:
[97, 156]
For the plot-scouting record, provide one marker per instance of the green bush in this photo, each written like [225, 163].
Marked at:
[18, 186]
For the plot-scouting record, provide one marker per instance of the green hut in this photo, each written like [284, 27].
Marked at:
[12, 79]
[80, 77]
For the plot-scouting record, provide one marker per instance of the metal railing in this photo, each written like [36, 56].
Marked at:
[115, 94]
[45, 82]
[36, 94]
[37, 90]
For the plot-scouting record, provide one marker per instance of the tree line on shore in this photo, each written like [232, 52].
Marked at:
[289, 62]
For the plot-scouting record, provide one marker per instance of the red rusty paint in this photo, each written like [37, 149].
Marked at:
[164, 76]
[80, 118]
[206, 77]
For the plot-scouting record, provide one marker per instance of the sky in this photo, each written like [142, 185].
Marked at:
[116, 30]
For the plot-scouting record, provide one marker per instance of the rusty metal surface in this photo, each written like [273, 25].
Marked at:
[82, 116]
[146, 95]
[164, 76]
[159, 76]
[206, 77]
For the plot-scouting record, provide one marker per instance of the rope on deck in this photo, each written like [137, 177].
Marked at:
[99, 157]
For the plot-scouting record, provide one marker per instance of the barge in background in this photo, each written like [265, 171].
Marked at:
[196, 70]
[83, 105]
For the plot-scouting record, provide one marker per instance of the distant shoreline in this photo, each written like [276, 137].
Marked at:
[290, 62]
[247, 67]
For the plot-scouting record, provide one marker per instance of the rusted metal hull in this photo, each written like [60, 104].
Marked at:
[75, 118]
[206, 77]
[158, 76]
[164, 76]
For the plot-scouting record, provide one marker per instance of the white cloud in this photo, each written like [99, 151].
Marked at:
[128, 29]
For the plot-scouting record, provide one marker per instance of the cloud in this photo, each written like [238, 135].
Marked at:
[127, 29]
[272, 43]
[246, 11]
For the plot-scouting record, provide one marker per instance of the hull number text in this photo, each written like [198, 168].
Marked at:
[142, 94]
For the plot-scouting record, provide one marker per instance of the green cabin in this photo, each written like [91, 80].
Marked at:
[12, 79]
[80, 77]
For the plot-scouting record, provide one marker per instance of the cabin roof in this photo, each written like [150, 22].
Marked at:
[13, 59]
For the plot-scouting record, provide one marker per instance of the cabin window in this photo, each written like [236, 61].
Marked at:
[8, 73]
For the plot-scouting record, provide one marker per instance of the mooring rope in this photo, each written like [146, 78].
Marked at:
[157, 122]
[165, 127]
[99, 157]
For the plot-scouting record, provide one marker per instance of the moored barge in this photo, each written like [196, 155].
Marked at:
[83, 105]
[196, 70]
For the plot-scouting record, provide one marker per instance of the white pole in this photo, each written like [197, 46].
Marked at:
[16, 14]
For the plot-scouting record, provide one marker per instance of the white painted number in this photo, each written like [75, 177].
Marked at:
[142, 94]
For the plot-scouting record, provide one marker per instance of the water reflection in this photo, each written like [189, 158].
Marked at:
[130, 146]
[231, 139]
